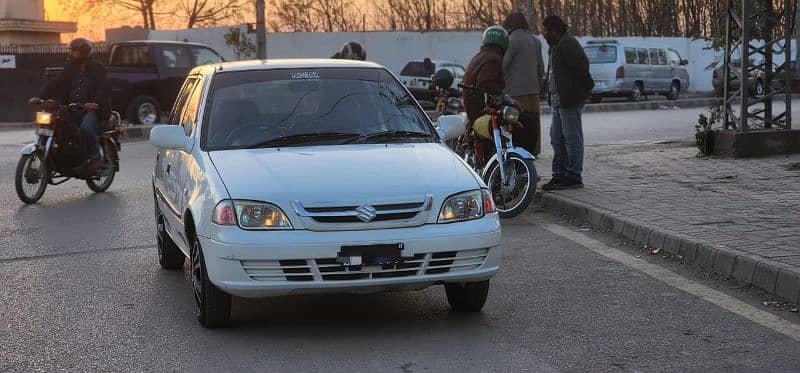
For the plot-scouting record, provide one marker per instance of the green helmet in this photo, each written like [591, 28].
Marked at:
[496, 35]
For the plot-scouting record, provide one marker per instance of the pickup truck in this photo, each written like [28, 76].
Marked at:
[145, 76]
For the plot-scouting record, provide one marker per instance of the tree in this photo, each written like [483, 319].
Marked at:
[204, 13]
[240, 43]
[106, 8]
[316, 15]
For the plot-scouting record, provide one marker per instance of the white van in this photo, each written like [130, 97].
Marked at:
[622, 69]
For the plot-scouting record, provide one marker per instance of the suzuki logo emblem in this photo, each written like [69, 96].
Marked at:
[366, 213]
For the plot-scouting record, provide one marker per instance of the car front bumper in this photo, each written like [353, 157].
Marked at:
[304, 262]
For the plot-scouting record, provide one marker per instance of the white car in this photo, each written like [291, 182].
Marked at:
[308, 176]
[417, 74]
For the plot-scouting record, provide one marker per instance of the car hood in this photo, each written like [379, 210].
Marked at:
[324, 175]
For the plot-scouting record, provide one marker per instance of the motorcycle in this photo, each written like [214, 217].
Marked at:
[58, 153]
[506, 169]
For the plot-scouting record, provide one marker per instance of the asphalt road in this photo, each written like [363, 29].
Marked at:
[82, 290]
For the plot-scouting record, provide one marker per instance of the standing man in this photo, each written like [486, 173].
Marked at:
[570, 85]
[523, 66]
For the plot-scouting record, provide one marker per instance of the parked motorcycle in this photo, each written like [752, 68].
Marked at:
[58, 153]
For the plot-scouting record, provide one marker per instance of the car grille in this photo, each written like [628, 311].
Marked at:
[364, 216]
[328, 269]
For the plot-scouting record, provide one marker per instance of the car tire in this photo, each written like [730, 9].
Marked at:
[467, 297]
[144, 110]
[674, 91]
[213, 305]
[637, 93]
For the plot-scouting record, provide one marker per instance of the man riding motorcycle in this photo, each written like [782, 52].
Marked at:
[485, 71]
[351, 51]
[83, 80]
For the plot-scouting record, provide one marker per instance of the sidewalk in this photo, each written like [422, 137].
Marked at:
[737, 217]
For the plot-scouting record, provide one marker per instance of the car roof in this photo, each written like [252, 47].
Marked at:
[161, 42]
[275, 64]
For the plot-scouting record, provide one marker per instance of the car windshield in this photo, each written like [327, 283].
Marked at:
[249, 109]
[601, 53]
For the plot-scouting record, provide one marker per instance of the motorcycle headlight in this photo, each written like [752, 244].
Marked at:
[251, 215]
[510, 114]
[466, 206]
[44, 118]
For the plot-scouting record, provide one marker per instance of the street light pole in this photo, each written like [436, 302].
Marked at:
[261, 30]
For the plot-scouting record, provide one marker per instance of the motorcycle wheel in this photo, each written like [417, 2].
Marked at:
[102, 182]
[512, 202]
[31, 178]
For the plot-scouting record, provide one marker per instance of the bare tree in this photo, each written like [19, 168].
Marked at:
[316, 15]
[204, 13]
[106, 8]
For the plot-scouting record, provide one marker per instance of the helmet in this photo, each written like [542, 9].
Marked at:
[443, 79]
[353, 51]
[81, 45]
[496, 35]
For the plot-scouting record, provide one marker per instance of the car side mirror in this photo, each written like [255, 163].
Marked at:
[170, 137]
[684, 62]
[450, 127]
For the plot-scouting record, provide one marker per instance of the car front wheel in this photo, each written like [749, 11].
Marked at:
[213, 305]
[467, 297]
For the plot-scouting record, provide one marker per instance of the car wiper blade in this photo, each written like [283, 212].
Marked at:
[303, 138]
[391, 135]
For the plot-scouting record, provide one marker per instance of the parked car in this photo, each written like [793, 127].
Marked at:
[314, 176]
[756, 78]
[622, 69]
[145, 76]
[416, 76]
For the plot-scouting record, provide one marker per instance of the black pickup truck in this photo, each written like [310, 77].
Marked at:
[145, 76]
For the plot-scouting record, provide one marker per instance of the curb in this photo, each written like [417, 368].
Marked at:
[775, 278]
[646, 105]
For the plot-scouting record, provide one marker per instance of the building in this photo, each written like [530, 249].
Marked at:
[23, 22]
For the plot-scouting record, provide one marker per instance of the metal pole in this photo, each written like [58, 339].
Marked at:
[745, 65]
[261, 30]
[726, 68]
[767, 24]
[788, 53]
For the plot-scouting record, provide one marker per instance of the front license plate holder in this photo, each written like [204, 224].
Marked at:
[371, 255]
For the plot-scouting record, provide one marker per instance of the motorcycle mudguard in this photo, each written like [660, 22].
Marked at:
[29, 149]
[515, 150]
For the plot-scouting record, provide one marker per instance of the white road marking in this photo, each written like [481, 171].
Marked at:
[673, 279]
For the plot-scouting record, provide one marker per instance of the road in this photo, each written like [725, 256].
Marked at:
[82, 290]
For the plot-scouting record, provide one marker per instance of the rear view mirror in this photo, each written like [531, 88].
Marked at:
[450, 127]
[170, 137]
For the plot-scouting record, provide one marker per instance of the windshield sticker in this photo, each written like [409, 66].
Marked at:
[305, 75]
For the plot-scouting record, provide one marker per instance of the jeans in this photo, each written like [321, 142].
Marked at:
[88, 121]
[566, 136]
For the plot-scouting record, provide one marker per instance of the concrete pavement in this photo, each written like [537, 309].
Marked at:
[737, 217]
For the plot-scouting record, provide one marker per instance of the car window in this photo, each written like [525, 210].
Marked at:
[189, 114]
[130, 55]
[643, 56]
[673, 57]
[601, 53]
[180, 102]
[418, 69]
[245, 108]
[204, 56]
[176, 57]
[630, 55]
[662, 57]
[654, 56]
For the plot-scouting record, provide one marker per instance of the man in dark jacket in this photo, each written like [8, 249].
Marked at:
[569, 85]
[83, 81]
[485, 71]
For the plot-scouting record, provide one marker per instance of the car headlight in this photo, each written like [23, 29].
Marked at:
[44, 118]
[466, 206]
[510, 114]
[251, 215]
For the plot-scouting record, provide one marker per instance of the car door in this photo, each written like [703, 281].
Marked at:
[165, 183]
[658, 73]
[183, 162]
[677, 69]
[175, 61]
